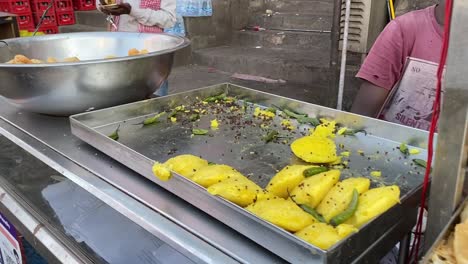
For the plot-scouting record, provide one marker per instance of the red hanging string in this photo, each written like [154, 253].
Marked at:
[435, 118]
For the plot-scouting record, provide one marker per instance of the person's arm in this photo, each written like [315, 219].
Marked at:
[164, 18]
[369, 99]
[381, 70]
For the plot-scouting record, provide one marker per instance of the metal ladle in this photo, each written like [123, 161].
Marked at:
[51, 4]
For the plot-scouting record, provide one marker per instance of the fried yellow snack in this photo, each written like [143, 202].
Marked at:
[186, 165]
[240, 191]
[51, 60]
[345, 230]
[313, 189]
[339, 197]
[20, 59]
[161, 171]
[133, 52]
[283, 213]
[324, 236]
[263, 114]
[319, 234]
[35, 61]
[286, 180]
[143, 51]
[214, 124]
[71, 59]
[326, 129]
[314, 149]
[373, 203]
[213, 174]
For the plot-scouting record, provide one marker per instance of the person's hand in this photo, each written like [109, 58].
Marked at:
[122, 9]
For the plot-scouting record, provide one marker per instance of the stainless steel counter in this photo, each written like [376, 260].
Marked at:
[200, 238]
[173, 222]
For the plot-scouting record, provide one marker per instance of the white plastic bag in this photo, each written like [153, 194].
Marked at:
[178, 29]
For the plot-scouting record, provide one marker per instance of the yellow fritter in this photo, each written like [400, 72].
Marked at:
[161, 171]
[240, 191]
[315, 149]
[313, 189]
[212, 174]
[324, 236]
[286, 180]
[339, 197]
[283, 213]
[373, 203]
[186, 165]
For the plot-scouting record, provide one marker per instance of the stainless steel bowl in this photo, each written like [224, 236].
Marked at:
[94, 82]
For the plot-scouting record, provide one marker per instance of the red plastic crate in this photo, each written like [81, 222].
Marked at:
[15, 6]
[52, 29]
[25, 20]
[49, 19]
[41, 6]
[84, 5]
[65, 18]
[63, 5]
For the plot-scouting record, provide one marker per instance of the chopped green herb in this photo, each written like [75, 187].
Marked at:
[421, 163]
[194, 117]
[215, 98]
[273, 134]
[115, 134]
[197, 131]
[404, 149]
[351, 132]
[154, 119]
[271, 109]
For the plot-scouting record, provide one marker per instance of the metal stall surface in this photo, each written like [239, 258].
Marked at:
[448, 179]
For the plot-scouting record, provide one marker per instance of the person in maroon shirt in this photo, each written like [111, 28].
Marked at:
[417, 34]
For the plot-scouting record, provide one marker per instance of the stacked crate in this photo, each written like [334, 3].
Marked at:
[29, 13]
[22, 9]
[84, 5]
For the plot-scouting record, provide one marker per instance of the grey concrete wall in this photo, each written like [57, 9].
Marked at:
[217, 30]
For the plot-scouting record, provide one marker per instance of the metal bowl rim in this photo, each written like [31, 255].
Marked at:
[185, 43]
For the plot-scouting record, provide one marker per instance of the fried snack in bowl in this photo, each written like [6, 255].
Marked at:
[20, 59]
[71, 59]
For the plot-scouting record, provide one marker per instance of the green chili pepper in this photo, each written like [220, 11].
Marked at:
[115, 134]
[293, 114]
[197, 131]
[271, 136]
[421, 163]
[308, 120]
[312, 212]
[314, 170]
[172, 114]
[154, 119]
[194, 117]
[308, 209]
[404, 149]
[350, 132]
[349, 212]
[211, 163]
[215, 98]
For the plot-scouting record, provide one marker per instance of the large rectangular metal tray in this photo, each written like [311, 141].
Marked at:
[243, 149]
